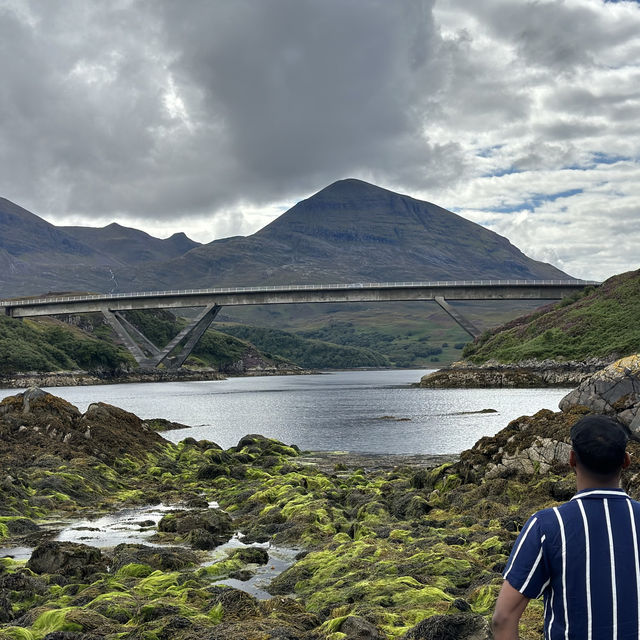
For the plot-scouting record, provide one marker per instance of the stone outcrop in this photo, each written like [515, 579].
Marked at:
[162, 558]
[201, 528]
[529, 445]
[85, 378]
[528, 373]
[615, 390]
[67, 559]
[458, 626]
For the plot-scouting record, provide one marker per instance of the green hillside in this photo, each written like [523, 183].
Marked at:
[596, 322]
[308, 353]
[50, 345]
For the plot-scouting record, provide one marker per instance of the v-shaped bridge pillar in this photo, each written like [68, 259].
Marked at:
[466, 324]
[147, 354]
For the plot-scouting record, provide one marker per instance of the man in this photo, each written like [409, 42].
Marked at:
[582, 556]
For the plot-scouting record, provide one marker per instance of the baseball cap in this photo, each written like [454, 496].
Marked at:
[600, 442]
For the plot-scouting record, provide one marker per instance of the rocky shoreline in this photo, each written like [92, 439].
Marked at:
[529, 373]
[86, 378]
[389, 548]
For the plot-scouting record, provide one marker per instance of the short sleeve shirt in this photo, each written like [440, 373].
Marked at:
[583, 559]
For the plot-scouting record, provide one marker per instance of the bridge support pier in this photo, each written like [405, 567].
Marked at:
[148, 355]
[467, 325]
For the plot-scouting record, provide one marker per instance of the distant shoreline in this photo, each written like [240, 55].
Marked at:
[86, 379]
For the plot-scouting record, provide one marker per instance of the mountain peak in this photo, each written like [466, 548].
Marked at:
[351, 188]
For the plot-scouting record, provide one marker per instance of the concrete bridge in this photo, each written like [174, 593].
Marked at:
[149, 355]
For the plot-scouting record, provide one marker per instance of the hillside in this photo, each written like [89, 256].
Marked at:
[352, 231]
[130, 246]
[597, 322]
[86, 342]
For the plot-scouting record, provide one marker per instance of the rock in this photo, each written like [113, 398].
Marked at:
[21, 526]
[450, 627]
[539, 457]
[67, 559]
[163, 558]
[32, 393]
[358, 628]
[236, 604]
[615, 390]
[6, 614]
[203, 528]
[529, 373]
[255, 555]
[28, 586]
[211, 471]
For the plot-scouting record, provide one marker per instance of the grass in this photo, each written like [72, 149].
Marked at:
[594, 323]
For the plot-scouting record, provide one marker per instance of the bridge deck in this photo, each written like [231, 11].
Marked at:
[302, 293]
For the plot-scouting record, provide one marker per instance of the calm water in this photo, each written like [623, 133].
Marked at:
[363, 411]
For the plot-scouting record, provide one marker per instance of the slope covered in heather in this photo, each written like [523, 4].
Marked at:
[597, 322]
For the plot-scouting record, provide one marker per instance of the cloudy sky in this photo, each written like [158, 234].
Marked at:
[214, 116]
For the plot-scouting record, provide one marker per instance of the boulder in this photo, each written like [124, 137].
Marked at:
[162, 558]
[67, 558]
[202, 528]
[254, 555]
[6, 612]
[236, 604]
[450, 627]
[539, 457]
[358, 628]
[615, 390]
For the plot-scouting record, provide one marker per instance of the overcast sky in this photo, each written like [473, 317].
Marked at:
[213, 117]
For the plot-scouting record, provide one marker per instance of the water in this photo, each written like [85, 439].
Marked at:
[360, 411]
[138, 524]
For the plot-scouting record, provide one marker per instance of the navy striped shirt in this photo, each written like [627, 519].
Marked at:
[582, 557]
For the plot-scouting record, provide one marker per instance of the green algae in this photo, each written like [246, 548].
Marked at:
[156, 584]
[134, 570]
[16, 633]
[484, 598]
[55, 620]
[221, 569]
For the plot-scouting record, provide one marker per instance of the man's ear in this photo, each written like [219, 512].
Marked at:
[573, 459]
[627, 460]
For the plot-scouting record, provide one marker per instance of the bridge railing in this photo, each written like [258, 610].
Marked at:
[438, 284]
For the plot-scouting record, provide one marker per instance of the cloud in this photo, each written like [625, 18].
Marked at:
[212, 117]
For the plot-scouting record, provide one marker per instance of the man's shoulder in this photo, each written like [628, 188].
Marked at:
[551, 516]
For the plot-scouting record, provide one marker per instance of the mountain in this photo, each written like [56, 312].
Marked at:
[36, 256]
[26, 237]
[129, 246]
[593, 323]
[352, 231]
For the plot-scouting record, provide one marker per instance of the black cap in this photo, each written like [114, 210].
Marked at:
[600, 442]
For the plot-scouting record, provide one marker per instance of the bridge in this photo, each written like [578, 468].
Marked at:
[149, 355]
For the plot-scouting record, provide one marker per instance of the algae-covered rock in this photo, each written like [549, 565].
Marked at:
[251, 555]
[236, 604]
[6, 612]
[357, 628]
[259, 445]
[67, 558]
[202, 528]
[163, 558]
[450, 627]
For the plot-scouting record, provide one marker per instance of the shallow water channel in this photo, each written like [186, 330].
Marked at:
[136, 525]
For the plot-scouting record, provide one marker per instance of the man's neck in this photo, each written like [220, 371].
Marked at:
[589, 482]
